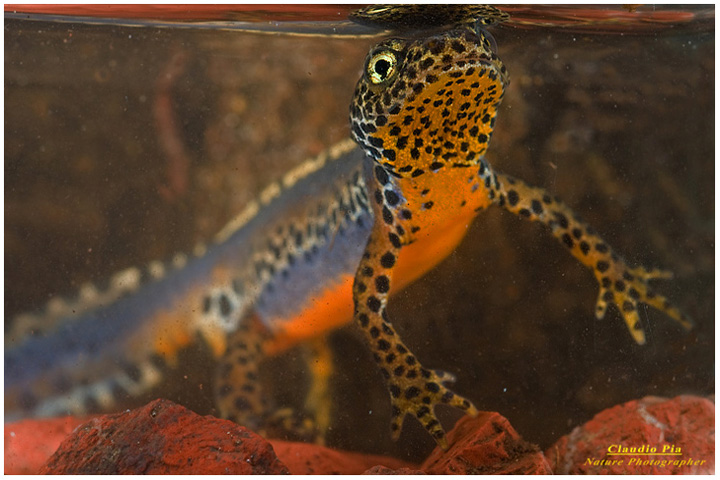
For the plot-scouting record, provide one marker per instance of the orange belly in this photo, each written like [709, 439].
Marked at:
[333, 307]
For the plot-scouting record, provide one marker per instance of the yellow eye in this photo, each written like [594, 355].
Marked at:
[382, 66]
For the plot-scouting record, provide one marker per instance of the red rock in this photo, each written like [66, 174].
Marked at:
[308, 459]
[686, 423]
[29, 443]
[383, 470]
[163, 438]
[487, 444]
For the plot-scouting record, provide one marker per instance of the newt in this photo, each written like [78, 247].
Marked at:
[326, 245]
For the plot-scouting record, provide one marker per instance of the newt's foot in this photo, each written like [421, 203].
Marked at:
[289, 424]
[627, 287]
[419, 395]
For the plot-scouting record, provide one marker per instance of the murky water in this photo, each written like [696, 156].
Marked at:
[127, 144]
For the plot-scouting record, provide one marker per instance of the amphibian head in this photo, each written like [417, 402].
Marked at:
[427, 102]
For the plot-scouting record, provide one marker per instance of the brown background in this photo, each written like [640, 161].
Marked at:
[621, 127]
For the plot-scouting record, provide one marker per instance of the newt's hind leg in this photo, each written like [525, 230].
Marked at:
[239, 394]
[310, 423]
[318, 402]
[620, 284]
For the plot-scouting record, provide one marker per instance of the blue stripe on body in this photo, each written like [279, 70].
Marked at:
[97, 340]
[340, 254]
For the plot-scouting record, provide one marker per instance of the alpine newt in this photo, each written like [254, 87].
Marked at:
[325, 245]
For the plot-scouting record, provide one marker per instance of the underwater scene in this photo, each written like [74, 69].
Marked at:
[171, 144]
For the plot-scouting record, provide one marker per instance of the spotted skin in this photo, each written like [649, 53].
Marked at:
[318, 401]
[619, 284]
[238, 395]
[331, 242]
[96, 352]
[424, 111]
[421, 16]
[414, 389]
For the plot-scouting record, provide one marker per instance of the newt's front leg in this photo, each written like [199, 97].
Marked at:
[414, 389]
[620, 284]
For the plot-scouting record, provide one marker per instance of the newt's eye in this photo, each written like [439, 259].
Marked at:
[382, 67]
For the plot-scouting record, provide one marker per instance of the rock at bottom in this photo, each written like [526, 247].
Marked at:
[163, 438]
[29, 443]
[309, 459]
[486, 444]
[655, 436]
[383, 470]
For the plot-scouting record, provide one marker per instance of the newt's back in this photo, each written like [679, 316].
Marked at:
[300, 235]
